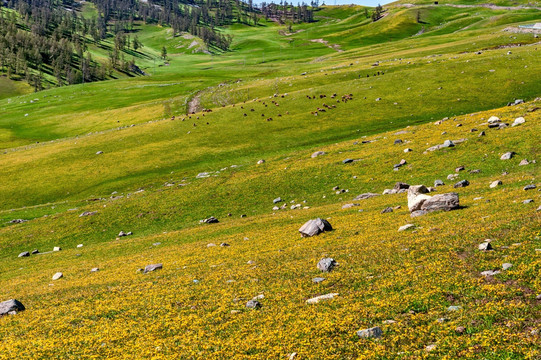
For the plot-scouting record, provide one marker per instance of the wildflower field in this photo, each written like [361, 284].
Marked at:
[158, 178]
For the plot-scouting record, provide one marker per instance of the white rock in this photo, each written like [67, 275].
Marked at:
[57, 276]
[317, 299]
[495, 184]
[406, 227]
[518, 121]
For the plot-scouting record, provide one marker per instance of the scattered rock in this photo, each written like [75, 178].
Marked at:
[418, 213]
[461, 183]
[317, 280]
[347, 161]
[88, 213]
[482, 133]
[388, 322]
[495, 184]
[260, 162]
[152, 267]
[438, 183]
[374, 332]
[58, 275]
[454, 308]
[460, 168]
[17, 221]
[327, 264]
[36, 251]
[460, 329]
[518, 121]
[507, 155]
[447, 202]
[347, 206]
[318, 153]
[210, 220]
[122, 234]
[507, 266]
[490, 272]
[94, 270]
[277, 200]
[430, 347]
[406, 227]
[485, 246]
[416, 197]
[407, 150]
[99, 152]
[24, 254]
[57, 248]
[317, 299]
[398, 141]
[527, 201]
[315, 227]
[529, 187]
[253, 304]
[365, 196]
[224, 244]
[11, 307]
[524, 162]
[493, 120]
[387, 210]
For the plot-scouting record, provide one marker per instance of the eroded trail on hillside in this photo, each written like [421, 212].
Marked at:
[194, 105]
[462, 6]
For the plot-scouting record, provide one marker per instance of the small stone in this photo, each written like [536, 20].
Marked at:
[365, 196]
[260, 162]
[318, 153]
[152, 267]
[277, 200]
[507, 155]
[253, 304]
[490, 272]
[36, 251]
[79, 246]
[88, 213]
[99, 152]
[460, 330]
[518, 121]
[495, 184]
[57, 276]
[430, 347]
[388, 322]
[347, 161]
[398, 141]
[524, 162]
[24, 254]
[317, 299]
[407, 150]
[482, 133]
[211, 245]
[224, 244]
[317, 280]
[460, 168]
[454, 308]
[94, 270]
[529, 187]
[438, 183]
[347, 206]
[57, 248]
[11, 307]
[507, 266]
[315, 227]
[461, 183]
[406, 227]
[448, 143]
[210, 220]
[527, 201]
[374, 332]
[292, 356]
[485, 246]
[387, 210]
[326, 264]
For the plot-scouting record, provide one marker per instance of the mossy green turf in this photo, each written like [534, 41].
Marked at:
[51, 173]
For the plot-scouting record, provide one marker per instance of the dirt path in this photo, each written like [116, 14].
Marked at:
[326, 43]
[194, 105]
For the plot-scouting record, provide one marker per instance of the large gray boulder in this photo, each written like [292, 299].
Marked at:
[445, 202]
[11, 307]
[315, 227]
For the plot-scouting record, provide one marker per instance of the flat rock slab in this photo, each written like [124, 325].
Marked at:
[366, 196]
[315, 227]
[317, 299]
[374, 332]
[406, 227]
[152, 267]
[11, 307]
[445, 202]
[24, 254]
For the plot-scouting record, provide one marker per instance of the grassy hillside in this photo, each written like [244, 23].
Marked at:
[130, 152]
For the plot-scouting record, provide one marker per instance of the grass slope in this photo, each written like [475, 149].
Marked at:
[463, 67]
